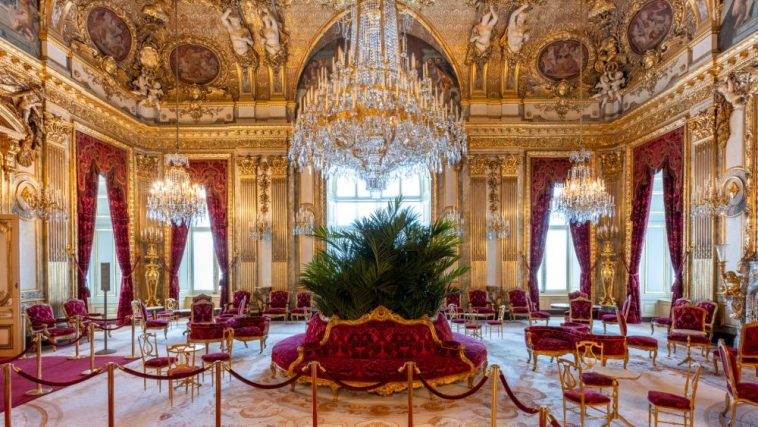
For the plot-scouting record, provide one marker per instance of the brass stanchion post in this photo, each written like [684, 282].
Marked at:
[495, 377]
[111, 415]
[314, 391]
[91, 336]
[410, 368]
[218, 368]
[39, 390]
[7, 401]
[543, 416]
[78, 335]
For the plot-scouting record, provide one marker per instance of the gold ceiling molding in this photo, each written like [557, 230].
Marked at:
[703, 125]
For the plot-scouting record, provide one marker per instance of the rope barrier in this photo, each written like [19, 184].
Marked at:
[179, 376]
[68, 343]
[244, 380]
[49, 383]
[514, 399]
[464, 395]
[14, 358]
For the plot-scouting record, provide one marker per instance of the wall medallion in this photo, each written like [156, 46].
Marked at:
[109, 33]
[559, 60]
[197, 64]
[733, 186]
[650, 25]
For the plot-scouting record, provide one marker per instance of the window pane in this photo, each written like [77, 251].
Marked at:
[345, 187]
[203, 259]
[392, 190]
[655, 266]
[411, 186]
[576, 270]
[556, 254]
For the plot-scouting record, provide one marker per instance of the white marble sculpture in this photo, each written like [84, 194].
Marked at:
[481, 33]
[270, 33]
[518, 28]
[242, 41]
[609, 87]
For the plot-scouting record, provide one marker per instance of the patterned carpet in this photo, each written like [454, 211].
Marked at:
[86, 404]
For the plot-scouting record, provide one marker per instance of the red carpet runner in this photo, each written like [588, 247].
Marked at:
[54, 368]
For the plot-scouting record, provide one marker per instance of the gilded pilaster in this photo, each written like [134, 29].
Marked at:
[279, 222]
[477, 214]
[511, 168]
[247, 268]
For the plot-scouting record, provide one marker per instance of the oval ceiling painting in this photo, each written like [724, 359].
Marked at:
[560, 59]
[650, 25]
[197, 64]
[109, 32]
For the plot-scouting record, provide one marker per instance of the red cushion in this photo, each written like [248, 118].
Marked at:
[495, 322]
[659, 398]
[576, 327]
[541, 314]
[596, 380]
[460, 321]
[695, 339]
[215, 357]
[642, 341]
[165, 313]
[590, 397]
[159, 362]
[663, 321]
[748, 391]
[275, 311]
[61, 331]
[156, 323]
[470, 326]
[553, 344]
[247, 331]
[608, 317]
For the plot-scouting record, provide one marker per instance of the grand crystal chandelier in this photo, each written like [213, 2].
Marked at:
[373, 117]
[175, 199]
[584, 196]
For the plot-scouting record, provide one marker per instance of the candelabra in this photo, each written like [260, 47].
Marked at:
[305, 221]
[734, 286]
[709, 200]
[46, 204]
[607, 233]
[261, 230]
[498, 227]
[452, 215]
[151, 237]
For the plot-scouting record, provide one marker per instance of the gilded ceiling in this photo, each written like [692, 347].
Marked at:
[257, 50]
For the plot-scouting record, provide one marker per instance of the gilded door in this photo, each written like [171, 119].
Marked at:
[11, 329]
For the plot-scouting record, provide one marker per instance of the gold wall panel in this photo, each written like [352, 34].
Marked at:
[58, 289]
[510, 198]
[248, 271]
[279, 223]
[477, 235]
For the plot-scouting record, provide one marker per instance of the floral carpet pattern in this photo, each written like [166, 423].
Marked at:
[85, 404]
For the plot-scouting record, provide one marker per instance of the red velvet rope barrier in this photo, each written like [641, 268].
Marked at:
[16, 357]
[68, 343]
[244, 380]
[453, 396]
[102, 326]
[34, 379]
[355, 388]
[179, 376]
[514, 399]
[553, 422]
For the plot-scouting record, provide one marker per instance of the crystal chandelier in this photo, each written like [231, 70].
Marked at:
[374, 118]
[498, 227]
[584, 196]
[305, 221]
[175, 199]
[709, 200]
[452, 215]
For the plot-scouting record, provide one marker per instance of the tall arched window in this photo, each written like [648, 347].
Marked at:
[656, 272]
[348, 199]
[103, 250]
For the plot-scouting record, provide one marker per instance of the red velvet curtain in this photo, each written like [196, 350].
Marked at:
[580, 235]
[545, 173]
[664, 153]
[178, 243]
[212, 174]
[98, 158]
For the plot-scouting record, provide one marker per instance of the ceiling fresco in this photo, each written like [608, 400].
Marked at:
[261, 50]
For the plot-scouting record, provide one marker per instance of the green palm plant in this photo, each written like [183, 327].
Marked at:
[388, 258]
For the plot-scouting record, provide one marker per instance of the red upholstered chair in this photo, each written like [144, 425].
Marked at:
[472, 326]
[477, 303]
[224, 355]
[239, 298]
[688, 318]
[303, 306]
[535, 314]
[278, 305]
[241, 309]
[169, 313]
[76, 313]
[575, 393]
[711, 309]
[151, 359]
[612, 318]
[455, 316]
[139, 315]
[497, 323]
[675, 404]
[519, 303]
[41, 320]
[589, 354]
[201, 312]
[454, 299]
[206, 333]
[253, 328]
[580, 311]
[549, 341]
[202, 297]
[572, 296]
[665, 322]
[638, 342]
[184, 363]
[737, 391]
[747, 354]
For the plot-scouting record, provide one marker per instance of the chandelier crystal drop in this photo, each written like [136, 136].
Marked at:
[175, 199]
[373, 117]
[584, 196]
